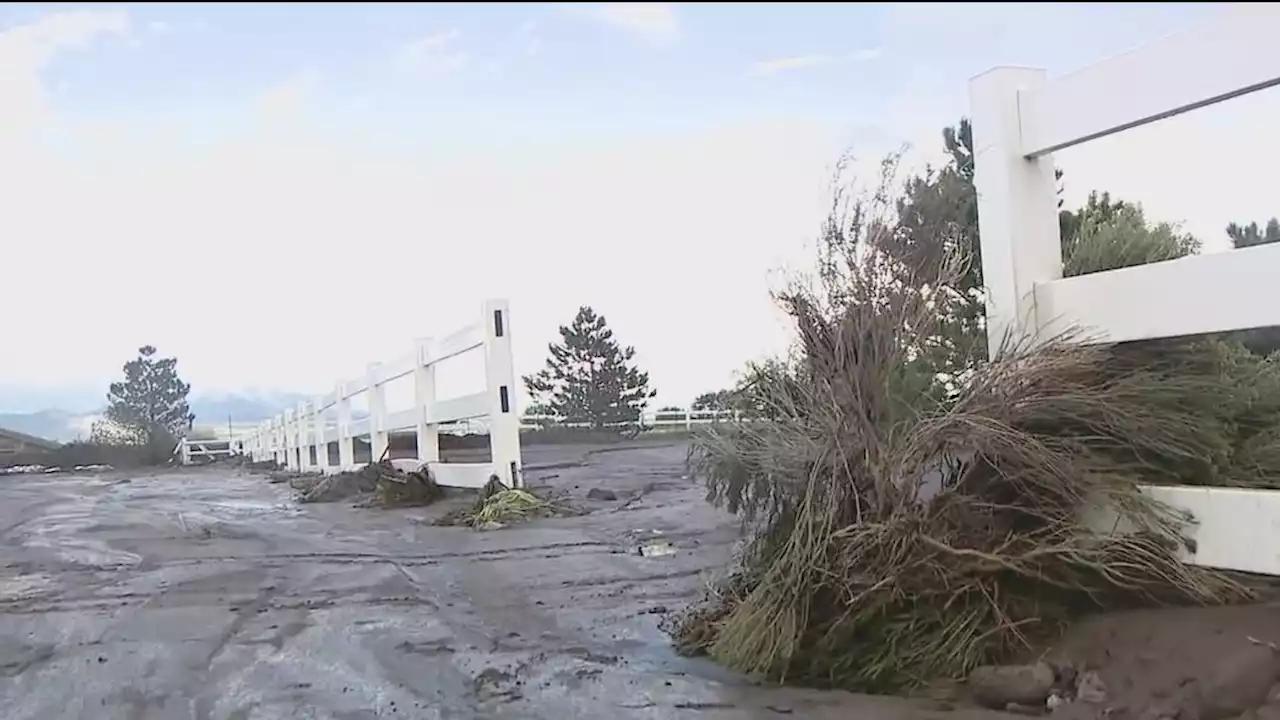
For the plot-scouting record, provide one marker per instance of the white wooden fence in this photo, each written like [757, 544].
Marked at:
[1019, 119]
[197, 451]
[655, 420]
[299, 438]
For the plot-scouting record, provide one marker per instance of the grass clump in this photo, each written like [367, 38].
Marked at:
[499, 506]
[909, 524]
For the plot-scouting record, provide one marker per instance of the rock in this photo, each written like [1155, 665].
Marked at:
[997, 686]
[1266, 712]
[1090, 688]
[601, 494]
[1020, 709]
[1273, 695]
[1239, 683]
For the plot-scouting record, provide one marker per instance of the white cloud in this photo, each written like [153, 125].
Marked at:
[25, 52]
[529, 39]
[437, 52]
[288, 256]
[802, 62]
[287, 99]
[159, 27]
[657, 23]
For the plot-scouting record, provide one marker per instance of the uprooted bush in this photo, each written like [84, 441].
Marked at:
[909, 529]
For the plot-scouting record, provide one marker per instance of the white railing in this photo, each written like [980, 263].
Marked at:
[299, 438]
[195, 451]
[658, 420]
[1019, 118]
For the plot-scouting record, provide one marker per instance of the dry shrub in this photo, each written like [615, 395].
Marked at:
[910, 529]
[389, 486]
[497, 506]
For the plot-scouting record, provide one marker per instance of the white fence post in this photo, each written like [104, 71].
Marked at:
[291, 456]
[1017, 206]
[424, 396]
[304, 436]
[317, 430]
[377, 414]
[504, 421]
[346, 443]
[277, 441]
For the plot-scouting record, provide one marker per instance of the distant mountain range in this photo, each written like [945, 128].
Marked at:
[211, 409]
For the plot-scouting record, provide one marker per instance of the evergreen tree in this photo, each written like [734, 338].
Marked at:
[716, 400]
[1243, 236]
[590, 378]
[150, 405]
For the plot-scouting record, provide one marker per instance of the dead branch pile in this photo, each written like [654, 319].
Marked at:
[905, 536]
[396, 488]
[389, 486]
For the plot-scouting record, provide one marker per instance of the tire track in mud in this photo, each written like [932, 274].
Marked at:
[331, 557]
[273, 597]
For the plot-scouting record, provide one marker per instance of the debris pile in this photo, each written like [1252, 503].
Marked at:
[907, 529]
[388, 485]
[498, 506]
[396, 488]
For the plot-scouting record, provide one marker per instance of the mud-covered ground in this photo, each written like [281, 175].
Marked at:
[210, 593]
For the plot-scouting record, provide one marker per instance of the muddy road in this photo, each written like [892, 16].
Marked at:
[210, 593]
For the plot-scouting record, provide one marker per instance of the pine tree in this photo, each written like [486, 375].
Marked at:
[1243, 236]
[590, 378]
[150, 405]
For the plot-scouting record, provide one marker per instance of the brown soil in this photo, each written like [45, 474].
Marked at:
[1179, 664]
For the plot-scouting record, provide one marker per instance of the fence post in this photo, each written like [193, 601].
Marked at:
[321, 444]
[504, 422]
[303, 428]
[278, 440]
[346, 443]
[1017, 206]
[424, 396]
[377, 414]
[290, 457]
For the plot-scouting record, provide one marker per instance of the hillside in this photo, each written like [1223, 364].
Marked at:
[210, 410]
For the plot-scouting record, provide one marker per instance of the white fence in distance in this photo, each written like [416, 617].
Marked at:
[299, 438]
[657, 420]
[1020, 118]
[199, 451]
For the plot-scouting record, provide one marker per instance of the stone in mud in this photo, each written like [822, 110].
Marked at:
[1090, 688]
[1239, 683]
[998, 686]
[601, 494]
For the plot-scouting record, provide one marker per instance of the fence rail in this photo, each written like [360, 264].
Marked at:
[649, 420]
[302, 437]
[192, 452]
[1019, 118]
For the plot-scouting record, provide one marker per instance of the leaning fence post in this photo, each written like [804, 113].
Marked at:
[504, 422]
[1017, 206]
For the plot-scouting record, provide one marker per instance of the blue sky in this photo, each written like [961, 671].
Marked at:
[309, 167]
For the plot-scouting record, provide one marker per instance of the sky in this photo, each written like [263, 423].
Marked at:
[279, 194]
